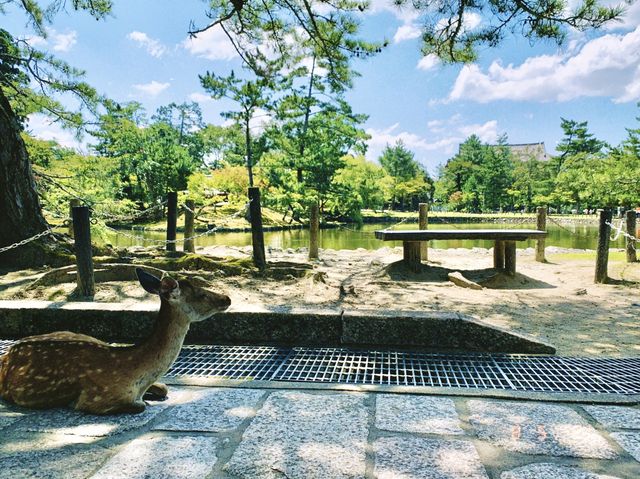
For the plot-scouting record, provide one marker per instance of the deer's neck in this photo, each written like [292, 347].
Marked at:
[159, 351]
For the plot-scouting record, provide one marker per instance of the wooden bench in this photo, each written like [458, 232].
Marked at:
[504, 251]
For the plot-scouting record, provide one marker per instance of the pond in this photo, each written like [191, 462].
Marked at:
[351, 237]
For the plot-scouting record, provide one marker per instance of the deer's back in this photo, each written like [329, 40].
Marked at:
[50, 370]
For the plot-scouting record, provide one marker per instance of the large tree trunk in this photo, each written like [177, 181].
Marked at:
[20, 212]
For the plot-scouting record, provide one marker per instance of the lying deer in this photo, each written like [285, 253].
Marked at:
[64, 368]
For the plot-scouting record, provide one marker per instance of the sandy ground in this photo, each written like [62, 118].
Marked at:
[556, 301]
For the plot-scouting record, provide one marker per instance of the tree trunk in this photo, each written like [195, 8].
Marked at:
[247, 141]
[20, 212]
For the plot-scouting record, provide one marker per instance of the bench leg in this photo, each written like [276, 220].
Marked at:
[498, 254]
[510, 257]
[411, 255]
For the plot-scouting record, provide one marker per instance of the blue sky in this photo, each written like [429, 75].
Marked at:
[143, 52]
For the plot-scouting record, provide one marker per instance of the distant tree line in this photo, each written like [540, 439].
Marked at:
[586, 174]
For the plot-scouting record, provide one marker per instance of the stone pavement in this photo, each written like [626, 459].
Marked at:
[215, 432]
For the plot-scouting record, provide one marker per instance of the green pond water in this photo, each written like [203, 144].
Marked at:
[572, 236]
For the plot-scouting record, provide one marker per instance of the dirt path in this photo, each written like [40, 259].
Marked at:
[556, 301]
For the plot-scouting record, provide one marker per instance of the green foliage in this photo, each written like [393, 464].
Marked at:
[478, 178]
[153, 158]
[63, 174]
[366, 179]
[399, 162]
[408, 184]
[250, 97]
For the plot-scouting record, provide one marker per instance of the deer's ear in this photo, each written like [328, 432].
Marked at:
[149, 282]
[167, 285]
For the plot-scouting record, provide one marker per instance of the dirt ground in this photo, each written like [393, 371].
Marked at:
[555, 301]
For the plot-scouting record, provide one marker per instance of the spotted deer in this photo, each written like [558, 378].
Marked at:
[69, 369]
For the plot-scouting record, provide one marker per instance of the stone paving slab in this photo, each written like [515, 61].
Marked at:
[212, 410]
[425, 458]
[538, 428]
[615, 416]
[304, 436]
[184, 457]
[8, 417]
[630, 442]
[68, 421]
[551, 471]
[68, 463]
[421, 414]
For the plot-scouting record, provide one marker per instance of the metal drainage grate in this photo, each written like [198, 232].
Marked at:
[471, 371]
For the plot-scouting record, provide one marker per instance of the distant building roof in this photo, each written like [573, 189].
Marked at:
[525, 151]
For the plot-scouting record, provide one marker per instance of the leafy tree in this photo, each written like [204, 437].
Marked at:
[532, 183]
[332, 134]
[399, 162]
[22, 66]
[478, 178]
[576, 140]
[367, 180]
[153, 158]
[251, 96]
[447, 33]
[495, 176]
[411, 184]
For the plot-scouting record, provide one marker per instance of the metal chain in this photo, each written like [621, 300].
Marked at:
[620, 231]
[159, 242]
[558, 224]
[398, 223]
[130, 217]
[25, 241]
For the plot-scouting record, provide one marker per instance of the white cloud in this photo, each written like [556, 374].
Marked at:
[211, 44]
[62, 42]
[406, 13]
[200, 97]
[59, 42]
[42, 127]
[447, 133]
[428, 62]
[153, 88]
[631, 18]
[408, 31]
[606, 66]
[153, 46]
[487, 132]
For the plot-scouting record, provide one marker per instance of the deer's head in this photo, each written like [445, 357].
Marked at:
[186, 295]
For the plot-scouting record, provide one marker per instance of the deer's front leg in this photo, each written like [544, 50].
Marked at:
[156, 392]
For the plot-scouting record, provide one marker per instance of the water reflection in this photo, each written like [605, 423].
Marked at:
[571, 236]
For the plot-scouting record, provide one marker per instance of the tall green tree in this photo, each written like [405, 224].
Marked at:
[250, 97]
[410, 183]
[577, 139]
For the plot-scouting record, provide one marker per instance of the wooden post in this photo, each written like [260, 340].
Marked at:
[189, 246]
[73, 203]
[541, 225]
[498, 254]
[314, 230]
[84, 259]
[510, 257]
[423, 224]
[257, 237]
[172, 220]
[602, 253]
[631, 230]
[411, 255]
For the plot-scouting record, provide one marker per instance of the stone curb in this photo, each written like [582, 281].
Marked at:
[286, 326]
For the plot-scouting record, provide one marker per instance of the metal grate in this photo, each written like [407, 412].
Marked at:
[472, 371]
